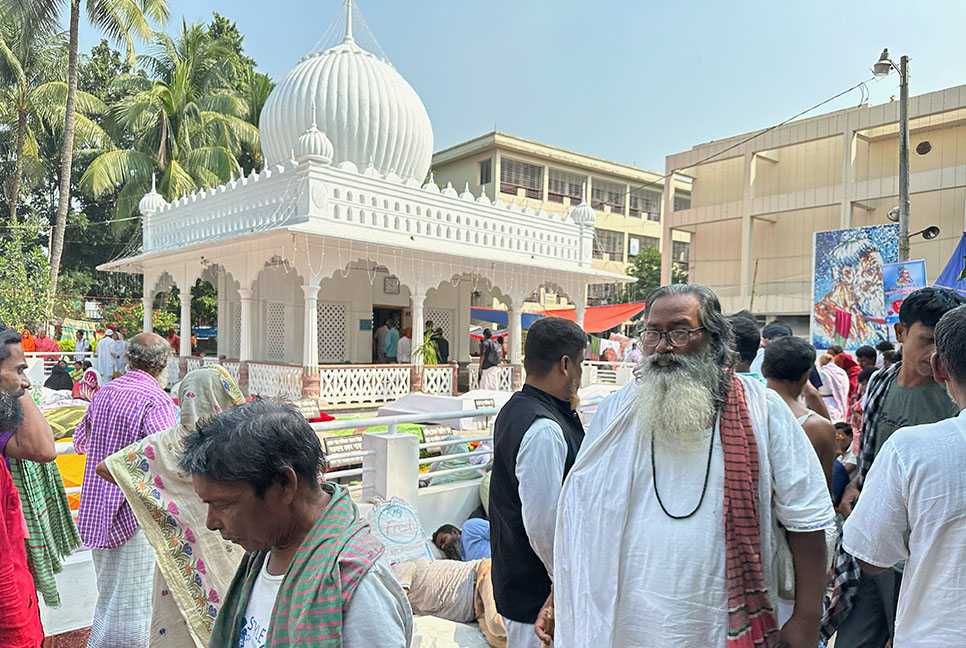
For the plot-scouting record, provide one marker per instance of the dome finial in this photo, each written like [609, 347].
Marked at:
[153, 185]
[348, 22]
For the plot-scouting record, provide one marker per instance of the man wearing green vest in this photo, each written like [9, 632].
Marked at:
[313, 574]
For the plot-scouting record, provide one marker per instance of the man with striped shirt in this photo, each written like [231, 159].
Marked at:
[124, 411]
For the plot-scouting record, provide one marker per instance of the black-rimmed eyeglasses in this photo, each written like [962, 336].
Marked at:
[675, 337]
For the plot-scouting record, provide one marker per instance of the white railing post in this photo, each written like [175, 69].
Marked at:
[148, 303]
[395, 466]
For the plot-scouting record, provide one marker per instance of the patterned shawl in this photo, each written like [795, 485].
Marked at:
[751, 618]
[197, 564]
[315, 592]
[845, 581]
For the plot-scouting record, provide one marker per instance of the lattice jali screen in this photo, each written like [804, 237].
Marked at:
[442, 318]
[235, 350]
[332, 332]
[275, 330]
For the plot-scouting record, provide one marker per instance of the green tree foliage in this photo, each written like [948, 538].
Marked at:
[23, 279]
[188, 125]
[646, 268]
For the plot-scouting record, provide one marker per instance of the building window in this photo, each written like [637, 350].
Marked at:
[645, 202]
[636, 244]
[682, 202]
[564, 185]
[607, 193]
[609, 243]
[680, 250]
[601, 293]
[486, 172]
[516, 175]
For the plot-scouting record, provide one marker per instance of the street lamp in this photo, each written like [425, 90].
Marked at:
[882, 68]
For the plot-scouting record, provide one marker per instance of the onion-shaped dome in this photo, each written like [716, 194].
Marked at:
[366, 108]
[583, 214]
[314, 143]
[152, 201]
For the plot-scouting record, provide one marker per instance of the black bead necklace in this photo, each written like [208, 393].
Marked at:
[704, 489]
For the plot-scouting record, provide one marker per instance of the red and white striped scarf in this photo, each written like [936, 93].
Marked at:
[751, 618]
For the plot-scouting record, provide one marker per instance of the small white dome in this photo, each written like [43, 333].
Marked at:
[152, 201]
[366, 108]
[583, 214]
[313, 143]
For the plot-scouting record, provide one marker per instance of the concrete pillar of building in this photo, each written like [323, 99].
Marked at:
[148, 303]
[310, 342]
[515, 341]
[667, 206]
[246, 296]
[417, 300]
[849, 143]
[747, 229]
[185, 322]
[393, 470]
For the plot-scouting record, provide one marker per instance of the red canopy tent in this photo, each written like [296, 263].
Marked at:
[600, 318]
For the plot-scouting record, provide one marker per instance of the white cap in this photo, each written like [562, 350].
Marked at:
[109, 331]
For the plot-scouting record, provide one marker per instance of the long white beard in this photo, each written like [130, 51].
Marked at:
[868, 299]
[677, 403]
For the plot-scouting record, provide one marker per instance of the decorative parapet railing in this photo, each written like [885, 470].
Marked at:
[505, 381]
[299, 192]
[193, 362]
[440, 379]
[174, 370]
[275, 380]
[233, 367]
[349, 384]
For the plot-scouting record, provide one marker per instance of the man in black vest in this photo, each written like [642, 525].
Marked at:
[536, 439]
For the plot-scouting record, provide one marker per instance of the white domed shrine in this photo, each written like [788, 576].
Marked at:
[341, 231]
[379, 118]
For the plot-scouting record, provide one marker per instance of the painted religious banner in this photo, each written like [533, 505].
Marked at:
[847, 280]
[899, 280]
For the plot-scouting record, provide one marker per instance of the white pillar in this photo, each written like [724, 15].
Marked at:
[393, 471]
[245, 352]
[667, 206]
[580, 308]
[417, 300]
[185, 322]
[310, 343]
[148, 314]
[515, 342]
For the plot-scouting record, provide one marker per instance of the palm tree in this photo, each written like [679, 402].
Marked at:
[121, 20]
[33, 97]
[189, 127]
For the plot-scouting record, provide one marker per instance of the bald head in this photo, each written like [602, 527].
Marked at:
[148, 352]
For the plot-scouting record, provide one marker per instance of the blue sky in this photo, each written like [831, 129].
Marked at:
[631, 81]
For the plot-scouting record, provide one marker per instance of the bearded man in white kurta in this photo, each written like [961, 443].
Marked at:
[688, 482]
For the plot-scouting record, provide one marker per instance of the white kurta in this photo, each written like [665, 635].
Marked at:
[104, 361]
[628, 575]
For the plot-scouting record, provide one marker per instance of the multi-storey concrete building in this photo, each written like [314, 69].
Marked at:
[626, 199]
[755, 204]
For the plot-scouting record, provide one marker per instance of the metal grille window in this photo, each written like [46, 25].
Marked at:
[607, 193]
[486, 172]
[645, 202]
[681, 250]
[276, 331]
[564, 185]
[515, 174]
[332, 332]
[636, 244]
[682, 202]
[609, 243]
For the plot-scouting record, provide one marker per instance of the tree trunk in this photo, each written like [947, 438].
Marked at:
[67, 152]
[18, 170]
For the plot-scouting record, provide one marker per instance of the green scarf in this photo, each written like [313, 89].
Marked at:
[53, 535]
[334, 557]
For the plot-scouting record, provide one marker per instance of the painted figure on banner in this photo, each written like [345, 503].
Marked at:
[848, 278]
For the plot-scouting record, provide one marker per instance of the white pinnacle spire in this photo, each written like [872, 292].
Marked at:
[348, 22]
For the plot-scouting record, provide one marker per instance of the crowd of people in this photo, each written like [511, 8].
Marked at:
[738, 492]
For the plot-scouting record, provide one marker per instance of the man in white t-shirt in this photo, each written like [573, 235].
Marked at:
[917, 513]
[313, 575]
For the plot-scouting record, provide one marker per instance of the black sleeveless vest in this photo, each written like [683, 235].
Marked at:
[520, 581]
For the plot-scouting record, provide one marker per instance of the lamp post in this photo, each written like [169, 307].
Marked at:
[882, 68]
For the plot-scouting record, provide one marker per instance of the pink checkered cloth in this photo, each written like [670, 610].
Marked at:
[125, 410]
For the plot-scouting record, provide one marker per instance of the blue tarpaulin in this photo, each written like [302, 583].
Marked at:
[949, 277]
[497, 316]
